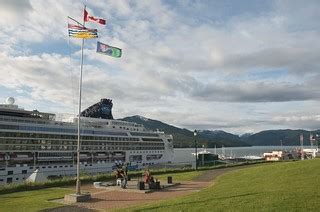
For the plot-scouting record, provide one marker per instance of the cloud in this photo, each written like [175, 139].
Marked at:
[257, 92]
[46, 75]
[299, 121]
[298, 15]
[14, 11]
[293, 59]
[190, 63]
[33, 21]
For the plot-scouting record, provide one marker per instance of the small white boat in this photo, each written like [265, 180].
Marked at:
[252, 157]
[202, 152]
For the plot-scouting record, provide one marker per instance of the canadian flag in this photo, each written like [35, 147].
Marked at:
[87, 18]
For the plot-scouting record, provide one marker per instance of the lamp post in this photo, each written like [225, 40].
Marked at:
[317, 141]
[196, 147]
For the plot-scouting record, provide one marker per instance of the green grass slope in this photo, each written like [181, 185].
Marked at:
[37, 200]
[31, 200]
[287, 186]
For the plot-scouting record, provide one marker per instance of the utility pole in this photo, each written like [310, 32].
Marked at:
[196, 147]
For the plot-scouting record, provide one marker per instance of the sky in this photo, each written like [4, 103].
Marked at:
[238, 66]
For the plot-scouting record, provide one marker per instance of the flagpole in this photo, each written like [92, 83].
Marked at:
[78, 192]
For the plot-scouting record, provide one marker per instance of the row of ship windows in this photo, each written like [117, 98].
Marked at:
[73, 131]
[38, 148]
[62, 141]
[126, 128]
[74, 143]
[44, 167]
[9, 179]
[58, 136]
[59, 130]
[25, 120]
[135, 152]
[71, 141]
[114, 127]
[130, 124]
[54, 136]
[37, 121]
[71, 154]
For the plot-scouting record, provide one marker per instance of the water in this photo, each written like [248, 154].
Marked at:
[184, 155]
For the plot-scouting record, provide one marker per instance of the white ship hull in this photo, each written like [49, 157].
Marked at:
[30, 140]
[20, 172]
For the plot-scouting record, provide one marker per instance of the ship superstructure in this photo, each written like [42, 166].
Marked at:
[31, 140]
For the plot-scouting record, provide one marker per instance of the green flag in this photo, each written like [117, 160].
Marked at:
[108, 50]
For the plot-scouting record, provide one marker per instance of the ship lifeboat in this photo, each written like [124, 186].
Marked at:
[118, 154]
[154, 157]
[101, 156]
[21, 157]
[85, 156]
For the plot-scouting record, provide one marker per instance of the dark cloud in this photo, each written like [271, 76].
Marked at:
[242, 90]
[212, 126]
[257, 92]
[232, 125]
[307, 120]
[293, 59]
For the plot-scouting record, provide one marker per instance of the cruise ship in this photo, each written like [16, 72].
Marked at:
[33, 140]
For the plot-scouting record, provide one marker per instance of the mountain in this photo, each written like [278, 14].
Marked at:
[245, 136]
[275, 137]
[220, 138]
[184, 138]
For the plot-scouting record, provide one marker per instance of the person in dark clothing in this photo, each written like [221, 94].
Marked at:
[125, 168]
[124, 179]
[120, 174]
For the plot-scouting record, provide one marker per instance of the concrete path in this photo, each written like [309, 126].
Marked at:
[103, 199]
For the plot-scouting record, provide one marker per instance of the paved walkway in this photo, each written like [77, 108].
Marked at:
[103, 199]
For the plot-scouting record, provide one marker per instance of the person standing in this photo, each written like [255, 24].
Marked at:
[125, 169]
[124, 172]
[147, 176]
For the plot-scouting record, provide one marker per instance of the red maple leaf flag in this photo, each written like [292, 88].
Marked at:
[87, 18]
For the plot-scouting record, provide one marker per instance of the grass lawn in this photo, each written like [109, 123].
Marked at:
[286, 186]
[178, 177]
[39, 199]
[31, 200]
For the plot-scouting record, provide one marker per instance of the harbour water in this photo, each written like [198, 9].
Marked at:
[184, 155]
